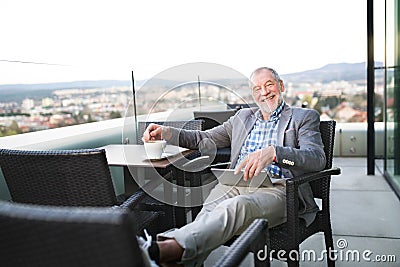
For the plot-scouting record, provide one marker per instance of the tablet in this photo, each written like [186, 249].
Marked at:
[227, 177]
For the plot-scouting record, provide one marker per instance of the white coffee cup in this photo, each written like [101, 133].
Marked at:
[154, 149]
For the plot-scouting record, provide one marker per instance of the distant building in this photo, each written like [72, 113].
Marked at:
[27, 105]
[345, 113]
[47, 102]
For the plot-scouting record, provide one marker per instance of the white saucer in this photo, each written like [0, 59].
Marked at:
[163, 156]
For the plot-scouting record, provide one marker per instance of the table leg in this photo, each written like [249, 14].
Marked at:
[180, 209]
[168, 189]
[130, 184]
[196, 194]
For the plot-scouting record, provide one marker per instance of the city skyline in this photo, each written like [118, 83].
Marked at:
[336, 91]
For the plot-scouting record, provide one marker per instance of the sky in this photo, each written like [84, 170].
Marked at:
[96, 40]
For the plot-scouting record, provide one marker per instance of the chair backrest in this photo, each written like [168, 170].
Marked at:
[321, 187]
[187, 125]
[213, 118]
[327, 129]
[58, 177]
[237, 106]
[33, 235]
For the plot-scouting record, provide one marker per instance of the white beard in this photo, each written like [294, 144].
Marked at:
[265, 108]
[269, 108]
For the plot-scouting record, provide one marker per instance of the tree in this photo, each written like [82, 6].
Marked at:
[14, 127]
[10, 130]
[378, 100]
[115, 115]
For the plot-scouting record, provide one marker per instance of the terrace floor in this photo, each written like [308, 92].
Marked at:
[365, 216]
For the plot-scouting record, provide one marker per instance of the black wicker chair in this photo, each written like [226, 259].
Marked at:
[288, 236]
[65, 178]
[253, 239]
[212, 119]
[237, 106]
[36, 236]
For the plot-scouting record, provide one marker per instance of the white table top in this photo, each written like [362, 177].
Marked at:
[135, 156]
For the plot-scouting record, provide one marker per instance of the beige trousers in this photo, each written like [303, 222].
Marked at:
[226, 212]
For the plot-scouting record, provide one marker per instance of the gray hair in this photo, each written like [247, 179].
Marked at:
[274, 73]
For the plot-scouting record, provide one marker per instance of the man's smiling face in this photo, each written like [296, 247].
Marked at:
[266, 91]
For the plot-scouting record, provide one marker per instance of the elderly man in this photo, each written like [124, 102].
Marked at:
[282, 139]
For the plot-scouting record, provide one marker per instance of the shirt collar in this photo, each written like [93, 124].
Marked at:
[274, 115]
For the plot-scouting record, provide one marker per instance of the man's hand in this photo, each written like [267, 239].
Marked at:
[156, 132]
[255, 162]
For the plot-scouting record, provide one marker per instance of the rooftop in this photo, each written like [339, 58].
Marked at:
[365, 211]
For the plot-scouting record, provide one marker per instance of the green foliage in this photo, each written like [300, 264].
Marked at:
[13, 129]
[115, 115]
[330, 101]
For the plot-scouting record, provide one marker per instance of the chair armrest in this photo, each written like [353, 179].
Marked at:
[292, 194]
[133, 200]
[221, 165]
[138, 196]
[197, 164]
[242, 245]
[313, 176]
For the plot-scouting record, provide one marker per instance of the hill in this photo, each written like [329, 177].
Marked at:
[325, 74]
[17, 92]
[65, 85]
[331, 72]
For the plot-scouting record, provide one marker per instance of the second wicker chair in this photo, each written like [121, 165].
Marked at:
[65, 178]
